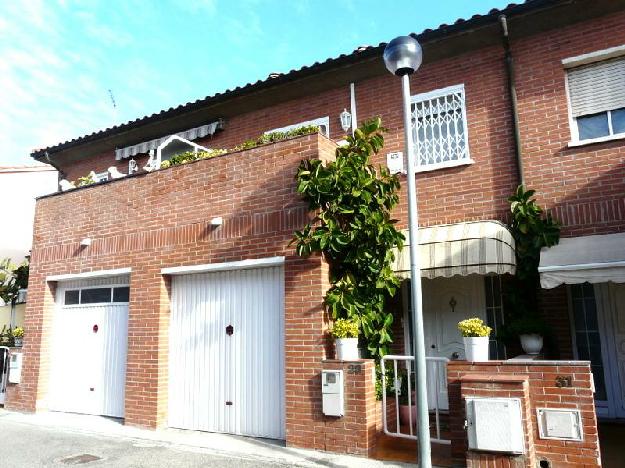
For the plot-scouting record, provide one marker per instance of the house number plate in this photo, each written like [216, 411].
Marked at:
[354, 369]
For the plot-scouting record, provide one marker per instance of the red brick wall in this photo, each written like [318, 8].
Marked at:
[501, 378]
[582, 186]
[162, 219]
[355, 432]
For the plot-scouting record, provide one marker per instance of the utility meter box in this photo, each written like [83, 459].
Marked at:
[495, 425]
[332, 392]
[15, 368]
[395, 163]
[560, 424]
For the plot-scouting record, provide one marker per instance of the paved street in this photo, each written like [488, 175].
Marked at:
[61, 440]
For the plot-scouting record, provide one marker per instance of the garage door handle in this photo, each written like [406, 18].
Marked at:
[95, 328]
[229, 330]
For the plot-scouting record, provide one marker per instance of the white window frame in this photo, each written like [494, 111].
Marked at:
[597, 56]
[433, 95]
[321, 122]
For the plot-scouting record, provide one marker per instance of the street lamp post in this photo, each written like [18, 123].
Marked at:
[403, 56]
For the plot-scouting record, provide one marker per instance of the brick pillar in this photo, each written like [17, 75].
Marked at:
[499, 386]
[146, 367]
[356, 432]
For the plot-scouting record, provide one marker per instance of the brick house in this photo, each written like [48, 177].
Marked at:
[172, 269]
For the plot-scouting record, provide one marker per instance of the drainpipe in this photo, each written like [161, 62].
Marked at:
[509, 61]
[352, 102]
[60, 174]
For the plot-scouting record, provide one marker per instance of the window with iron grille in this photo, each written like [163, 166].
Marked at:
[439, 129]
[597, 100]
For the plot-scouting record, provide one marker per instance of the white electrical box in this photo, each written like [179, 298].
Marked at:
[332, 392]
[560, 424]
[395, 163]
[15, 368]
[495, 425]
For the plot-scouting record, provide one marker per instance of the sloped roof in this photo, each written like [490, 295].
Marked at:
[276, 79]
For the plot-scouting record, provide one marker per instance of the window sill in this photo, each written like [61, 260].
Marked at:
[575, 144]
[445, 165]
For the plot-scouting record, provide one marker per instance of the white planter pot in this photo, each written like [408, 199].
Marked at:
[476, 348]
[532, 344]
[346, 349]
[18, 342]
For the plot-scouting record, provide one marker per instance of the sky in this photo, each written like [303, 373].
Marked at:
[72, 67]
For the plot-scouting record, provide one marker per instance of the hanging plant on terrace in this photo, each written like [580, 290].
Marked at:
[354, 231]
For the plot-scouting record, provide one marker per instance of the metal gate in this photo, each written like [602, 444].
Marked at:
[227, 352]
[4, 372]
[401, 375]
[89, 347]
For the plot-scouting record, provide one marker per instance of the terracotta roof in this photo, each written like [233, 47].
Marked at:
[274, 79]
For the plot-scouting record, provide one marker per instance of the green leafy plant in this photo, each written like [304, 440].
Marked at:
[473, 327]
[532, 230]
[379, 381]
[6, 336]
[84, 181]
[528, 325]
[344, 328]
[12, 279]
[273, 137]
[354, 232]
[190, 156]
[18, 332]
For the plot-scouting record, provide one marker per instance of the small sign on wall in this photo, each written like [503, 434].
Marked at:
[395, 163]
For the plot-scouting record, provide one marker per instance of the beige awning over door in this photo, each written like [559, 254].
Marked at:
[478, 247]
[592, 259]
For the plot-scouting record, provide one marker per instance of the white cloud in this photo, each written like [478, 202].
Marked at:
[54, 87]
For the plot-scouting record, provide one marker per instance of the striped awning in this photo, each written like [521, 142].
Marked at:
[591, 259]
[479, 247]
[190, 134]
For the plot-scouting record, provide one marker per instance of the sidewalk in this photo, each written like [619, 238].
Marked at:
[224, 448]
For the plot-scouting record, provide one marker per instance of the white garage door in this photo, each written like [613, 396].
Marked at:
[227, 352]
[89, 347]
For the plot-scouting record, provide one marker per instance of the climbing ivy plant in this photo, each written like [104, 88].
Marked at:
[354, 231]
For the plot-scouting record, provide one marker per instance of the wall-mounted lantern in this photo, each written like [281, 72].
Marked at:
[346, 120]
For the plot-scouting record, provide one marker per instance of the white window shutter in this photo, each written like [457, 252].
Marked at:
[598, 87]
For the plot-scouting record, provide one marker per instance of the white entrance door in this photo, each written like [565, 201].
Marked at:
[446, 301]
[605, 348]
[227, 352]
[89, 347]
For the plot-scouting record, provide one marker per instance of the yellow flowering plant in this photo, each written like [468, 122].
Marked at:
[344, 328]
[18, 332]
[473, 327]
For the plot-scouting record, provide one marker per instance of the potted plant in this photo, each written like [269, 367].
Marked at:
[18, 336]
[475, 334]
[345, 333]
[407, 409]
[531, 330]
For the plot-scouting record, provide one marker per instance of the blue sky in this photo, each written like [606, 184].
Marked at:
[60, 58]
